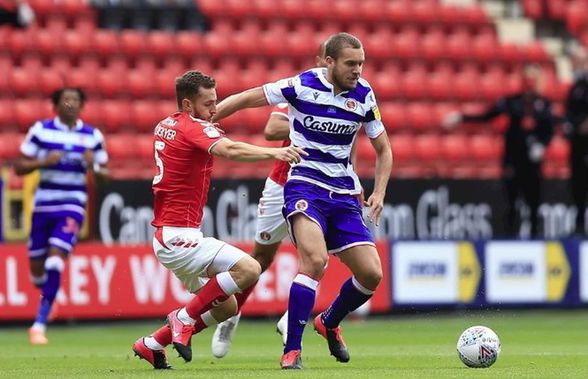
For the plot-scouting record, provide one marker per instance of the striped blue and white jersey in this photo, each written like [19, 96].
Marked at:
[62, 187]
[325, 125]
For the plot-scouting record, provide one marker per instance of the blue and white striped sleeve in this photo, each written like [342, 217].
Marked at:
[373, 120]
[100, 154]
[282, 91]
[31, 145]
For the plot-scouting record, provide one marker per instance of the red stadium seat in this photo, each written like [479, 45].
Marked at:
[474, 16]
[459, 46]
[161, 43]
[145, 115]
[212, 8]
[164, 82]
[23, 82]
[84, 78]
[491, 86]
[345, 10]
[139, 85]
[267, 9]
[49, 81]
[424, 12]
[454, 148]
[10, 151]
[465, 86]
[75, 8]
[20, 41]
[27, 112]
[106, 43]
[48, 42]
[76, 44]
[111, 83]
[216, 44]
[486, 148]
[387, 85]
[484, 47]
[116, 115]
[405, 45]
[188, 42]
[433, 46]
[440, 86]
[577, 16]
[414, 85]
[558, 151]
[371, 11]
[397, 12]
[428, 150]
[31, 61]
[365, 150]
[117, 146]
[242, 42]
[93, 114]
[133, 42]
[533, 9]
[237, 9]
[6, 114]
[294, 9]
[393, 116]
[420, 116]
[145, 145]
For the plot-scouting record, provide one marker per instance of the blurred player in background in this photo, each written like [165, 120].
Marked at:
[528, 134]
[577, 131]
[63, 149]
[327, 106]
[271, 226]
[184, 146]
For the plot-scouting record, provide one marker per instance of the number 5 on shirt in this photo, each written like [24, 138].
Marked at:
[159, 146]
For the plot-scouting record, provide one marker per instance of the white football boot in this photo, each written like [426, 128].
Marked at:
[223, 336]
[282, 327]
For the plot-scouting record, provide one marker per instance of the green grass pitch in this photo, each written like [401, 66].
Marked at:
[535, 344]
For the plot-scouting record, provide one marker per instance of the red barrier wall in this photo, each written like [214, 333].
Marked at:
[108, 282]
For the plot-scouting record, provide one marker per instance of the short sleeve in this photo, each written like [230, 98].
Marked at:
[280, 109]
[373, 120]
[100, 154]
[281, 91]
[204, 137]
[31, 145]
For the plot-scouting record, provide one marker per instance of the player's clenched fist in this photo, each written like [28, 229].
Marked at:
[291, 154]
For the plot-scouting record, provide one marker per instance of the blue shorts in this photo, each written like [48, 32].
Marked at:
[58, 229]
[338, 215]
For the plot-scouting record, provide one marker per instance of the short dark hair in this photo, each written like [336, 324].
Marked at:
[337, 42]
[188, 85]
[56, 95]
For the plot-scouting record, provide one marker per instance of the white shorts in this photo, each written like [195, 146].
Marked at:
[192, 257]
[271, 225]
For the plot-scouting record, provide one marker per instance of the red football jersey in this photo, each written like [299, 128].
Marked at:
[280, 171]
[184, 164]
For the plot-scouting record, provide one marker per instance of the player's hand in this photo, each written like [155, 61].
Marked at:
[536, 152]
[376, 204]
[52, 158]
[290, 154]
[89, 157]
[452, 120]
[361, 198]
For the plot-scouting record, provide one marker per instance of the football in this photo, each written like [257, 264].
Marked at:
[478, 346]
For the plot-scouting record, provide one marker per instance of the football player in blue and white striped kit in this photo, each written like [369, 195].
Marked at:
[63, 149]
[327, 107]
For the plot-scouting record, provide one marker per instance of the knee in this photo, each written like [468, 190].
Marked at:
[250, 270]
[371, 278]
[314, 265]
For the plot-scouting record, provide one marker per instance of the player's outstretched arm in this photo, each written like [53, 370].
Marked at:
[383, 167]
[244, 152]
[251, 98]
[277, 128]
